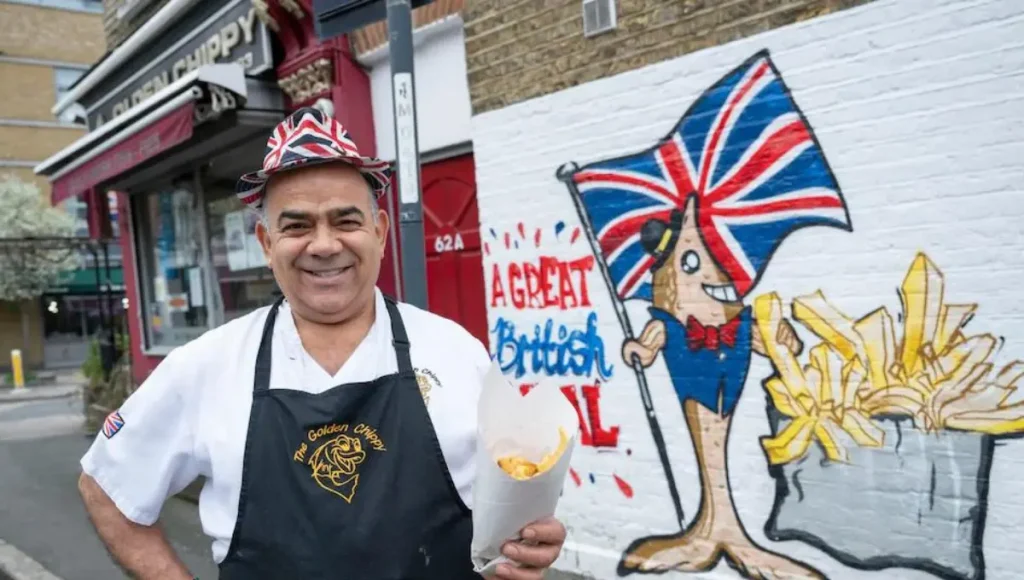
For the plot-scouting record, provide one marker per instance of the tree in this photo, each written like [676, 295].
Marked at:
[28, 268]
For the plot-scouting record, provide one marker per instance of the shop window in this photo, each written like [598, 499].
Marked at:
[175, 305]
[243, 279]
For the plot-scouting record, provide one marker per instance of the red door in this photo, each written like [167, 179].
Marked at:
[451, 224]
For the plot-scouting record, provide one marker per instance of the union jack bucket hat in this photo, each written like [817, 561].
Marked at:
[310, 137]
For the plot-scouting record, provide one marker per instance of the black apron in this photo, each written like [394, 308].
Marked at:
[346, 484]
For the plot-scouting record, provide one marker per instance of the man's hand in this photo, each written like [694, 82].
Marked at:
[541, 545]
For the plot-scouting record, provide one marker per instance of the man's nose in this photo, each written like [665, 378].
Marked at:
[326, 242]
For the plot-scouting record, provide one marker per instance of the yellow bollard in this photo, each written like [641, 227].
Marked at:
[17, 370]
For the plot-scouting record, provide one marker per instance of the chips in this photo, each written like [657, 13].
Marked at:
[522, 469]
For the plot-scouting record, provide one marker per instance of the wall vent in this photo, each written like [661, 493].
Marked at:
[598, 16]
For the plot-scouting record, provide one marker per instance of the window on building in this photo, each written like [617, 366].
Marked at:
[175, 305]
[243, 279]
[94, 6]
[63, 79]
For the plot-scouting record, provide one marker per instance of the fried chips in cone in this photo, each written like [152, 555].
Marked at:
[521, 466]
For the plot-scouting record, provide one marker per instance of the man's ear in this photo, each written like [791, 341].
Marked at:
[263, 235]
[381, 225]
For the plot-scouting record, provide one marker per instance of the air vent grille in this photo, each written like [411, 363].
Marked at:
[598, 16]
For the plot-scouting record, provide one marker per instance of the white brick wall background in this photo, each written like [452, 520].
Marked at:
[919, 109]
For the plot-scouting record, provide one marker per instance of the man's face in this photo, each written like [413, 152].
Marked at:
[323, 240]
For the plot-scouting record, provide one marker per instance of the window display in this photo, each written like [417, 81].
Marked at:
[176, 308]
[243, 279]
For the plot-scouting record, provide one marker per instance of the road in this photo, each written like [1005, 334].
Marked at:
[40, 512]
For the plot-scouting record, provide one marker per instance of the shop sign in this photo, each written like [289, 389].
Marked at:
[233, 34]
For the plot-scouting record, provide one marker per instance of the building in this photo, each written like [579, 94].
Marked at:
[182, 104]
[447, 174]
[702, 177]
[45, 46]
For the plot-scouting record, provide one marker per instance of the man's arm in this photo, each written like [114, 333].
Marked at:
[145, 454]
[142, 551]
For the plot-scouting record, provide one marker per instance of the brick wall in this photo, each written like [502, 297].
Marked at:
[528, 48]
[60, 35]
[886, 443]
[117, 28]
[30, 92]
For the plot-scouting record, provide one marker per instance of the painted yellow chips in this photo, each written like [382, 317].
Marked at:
[521, 468]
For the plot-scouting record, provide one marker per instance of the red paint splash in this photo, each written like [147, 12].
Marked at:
[522, 232]
[508, 241]
[536, 238]
[575, 477]
[575, 236]
[487, 249]
[624, 487]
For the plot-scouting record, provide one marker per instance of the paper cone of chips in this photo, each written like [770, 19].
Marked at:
[526, 444]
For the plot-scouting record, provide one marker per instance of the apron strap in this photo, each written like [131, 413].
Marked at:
[262, 380]
[400, 339]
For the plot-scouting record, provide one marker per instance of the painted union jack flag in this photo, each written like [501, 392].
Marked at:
[112, 424]
[747, 155]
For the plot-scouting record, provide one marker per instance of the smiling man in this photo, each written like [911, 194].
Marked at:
[323, 459]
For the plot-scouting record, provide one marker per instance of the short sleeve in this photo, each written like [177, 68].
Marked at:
[145, 454]
[480, 356]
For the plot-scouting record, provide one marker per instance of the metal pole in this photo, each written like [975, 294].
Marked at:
[410, 209]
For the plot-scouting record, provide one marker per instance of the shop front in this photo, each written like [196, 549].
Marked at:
[174, 119]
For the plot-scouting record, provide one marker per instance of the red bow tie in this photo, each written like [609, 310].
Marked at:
[711, 337]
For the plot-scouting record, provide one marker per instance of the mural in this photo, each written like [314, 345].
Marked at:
[545, 270]
[904, 428]
[781, 290]
[690, 225]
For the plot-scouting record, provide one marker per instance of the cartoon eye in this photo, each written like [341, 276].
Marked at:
[691, 262]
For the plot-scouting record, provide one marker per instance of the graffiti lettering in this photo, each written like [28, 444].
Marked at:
[548, 283]
[550, 351]
[592, 433]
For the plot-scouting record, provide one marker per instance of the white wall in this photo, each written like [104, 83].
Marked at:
[443, 109]
[919, 109]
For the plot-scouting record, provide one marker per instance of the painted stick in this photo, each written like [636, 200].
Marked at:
[565, 175]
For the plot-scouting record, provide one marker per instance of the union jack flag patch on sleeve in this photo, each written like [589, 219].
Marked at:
[112, 424]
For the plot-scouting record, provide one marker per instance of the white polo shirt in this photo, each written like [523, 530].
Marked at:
[190, 417]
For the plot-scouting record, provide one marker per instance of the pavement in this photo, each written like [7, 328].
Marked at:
[45, 533]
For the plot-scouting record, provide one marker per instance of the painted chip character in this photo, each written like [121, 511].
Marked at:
[689, 226]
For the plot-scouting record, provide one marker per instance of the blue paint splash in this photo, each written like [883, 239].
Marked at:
[494, 234]
[559, 227]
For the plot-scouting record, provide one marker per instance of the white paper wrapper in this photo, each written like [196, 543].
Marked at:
[512, 424]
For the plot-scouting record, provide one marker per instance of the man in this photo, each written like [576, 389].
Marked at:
[323, 459]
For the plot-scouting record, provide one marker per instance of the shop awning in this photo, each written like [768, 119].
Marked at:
[159, 123]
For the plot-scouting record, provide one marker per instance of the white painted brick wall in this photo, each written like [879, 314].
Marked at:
[919, 109]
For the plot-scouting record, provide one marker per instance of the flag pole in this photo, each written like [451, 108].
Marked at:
[565, 175]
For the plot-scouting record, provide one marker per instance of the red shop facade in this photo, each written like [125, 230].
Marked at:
[176, 113]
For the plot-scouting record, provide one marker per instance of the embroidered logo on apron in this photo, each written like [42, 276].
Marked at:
[334, 454]
[427, 380]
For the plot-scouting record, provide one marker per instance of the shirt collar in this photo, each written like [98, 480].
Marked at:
[285, 330]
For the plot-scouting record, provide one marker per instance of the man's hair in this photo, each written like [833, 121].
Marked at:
[374, 206]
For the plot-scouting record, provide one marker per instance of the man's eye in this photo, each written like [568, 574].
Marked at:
[292, 227]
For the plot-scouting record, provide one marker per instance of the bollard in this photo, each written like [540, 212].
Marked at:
[17, 370]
